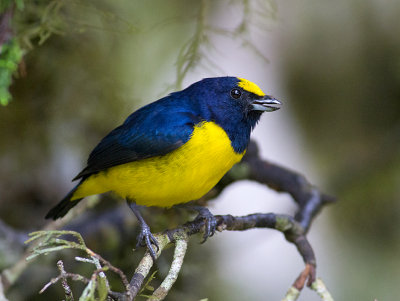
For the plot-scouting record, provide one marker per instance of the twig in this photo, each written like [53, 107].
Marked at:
[145, 265]
[318, 286]
[63, 276]
[179, 254]
[111, 268]
[304, 275]
[292, 294]
[67, 290]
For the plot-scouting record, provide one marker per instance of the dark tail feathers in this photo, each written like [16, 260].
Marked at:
[64, 206]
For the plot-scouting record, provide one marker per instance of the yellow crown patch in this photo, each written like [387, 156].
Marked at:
[250, 87]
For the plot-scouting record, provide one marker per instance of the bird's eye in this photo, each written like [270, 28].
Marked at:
[236, 93]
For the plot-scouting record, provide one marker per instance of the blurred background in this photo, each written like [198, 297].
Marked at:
[336, 67]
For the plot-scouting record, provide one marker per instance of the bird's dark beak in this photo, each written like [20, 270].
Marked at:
[266, 104]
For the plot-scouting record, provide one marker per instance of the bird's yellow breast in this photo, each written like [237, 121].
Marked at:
[180, 176]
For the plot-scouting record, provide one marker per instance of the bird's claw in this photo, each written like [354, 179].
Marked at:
[146, 238]
[210, 223]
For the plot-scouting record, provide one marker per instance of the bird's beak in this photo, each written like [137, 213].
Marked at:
[265, 104]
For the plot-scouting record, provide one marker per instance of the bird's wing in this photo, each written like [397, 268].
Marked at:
[146, 133]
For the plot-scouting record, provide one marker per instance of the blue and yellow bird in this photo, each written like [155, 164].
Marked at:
[173, 150]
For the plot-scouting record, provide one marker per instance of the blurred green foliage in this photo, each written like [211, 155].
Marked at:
[10, 52]
[6, 4]
[10, 56]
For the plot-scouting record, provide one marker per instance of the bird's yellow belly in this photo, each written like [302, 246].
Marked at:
[183, 175]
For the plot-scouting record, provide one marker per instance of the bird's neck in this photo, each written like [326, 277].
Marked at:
[239, 131]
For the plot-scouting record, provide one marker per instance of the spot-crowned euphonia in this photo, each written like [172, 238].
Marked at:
[173, 150]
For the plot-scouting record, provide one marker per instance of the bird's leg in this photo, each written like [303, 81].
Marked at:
[145, 236]
[209, 219]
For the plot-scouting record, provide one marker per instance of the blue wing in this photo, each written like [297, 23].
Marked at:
[153, 130]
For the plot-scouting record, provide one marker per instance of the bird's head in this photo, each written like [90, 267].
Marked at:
[255, 100]
[228, 100]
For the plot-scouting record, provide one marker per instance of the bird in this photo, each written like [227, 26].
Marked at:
[174, 150]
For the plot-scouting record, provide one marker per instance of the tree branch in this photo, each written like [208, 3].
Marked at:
[179, 254]
[318, 286]
[179, 236]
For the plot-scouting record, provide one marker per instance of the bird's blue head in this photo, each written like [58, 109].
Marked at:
[235, 104]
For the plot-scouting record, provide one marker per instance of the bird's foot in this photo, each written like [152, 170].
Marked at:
[147, 239]
[209, 219]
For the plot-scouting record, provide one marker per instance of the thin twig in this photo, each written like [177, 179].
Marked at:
[67, 290]
[111, 267]
[145, 265]
[292, 294]
[75, 277]
[320, 288]
[179, 254]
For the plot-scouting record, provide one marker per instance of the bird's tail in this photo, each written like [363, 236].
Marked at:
[64, 205]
